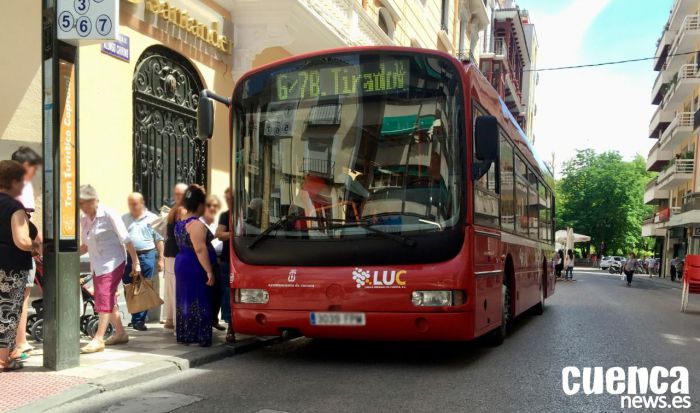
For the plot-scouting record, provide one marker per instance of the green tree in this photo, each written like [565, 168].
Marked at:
[601, 195]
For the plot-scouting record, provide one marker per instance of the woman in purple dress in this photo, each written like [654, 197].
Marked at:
[194, 272]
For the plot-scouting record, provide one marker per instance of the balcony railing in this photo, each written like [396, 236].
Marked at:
[690, 23]
[682, 120]
[349, 20]
[500, 48]
[691, 202]
[651, 183]
[686, 72]
[678, 166]
[316, 166]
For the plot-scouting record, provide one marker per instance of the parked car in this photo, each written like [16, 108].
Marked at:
[607, 261]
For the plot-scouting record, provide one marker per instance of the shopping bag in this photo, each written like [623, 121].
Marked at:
[140, 295]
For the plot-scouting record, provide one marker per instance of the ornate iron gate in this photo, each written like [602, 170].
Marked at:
[166, 150]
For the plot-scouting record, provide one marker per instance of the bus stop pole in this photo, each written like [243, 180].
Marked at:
[61, 286]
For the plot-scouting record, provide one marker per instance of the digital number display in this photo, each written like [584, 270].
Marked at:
[390, 75]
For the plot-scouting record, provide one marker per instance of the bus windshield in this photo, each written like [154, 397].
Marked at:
[347, 145]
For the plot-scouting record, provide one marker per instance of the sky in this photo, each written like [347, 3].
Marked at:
[604, 108]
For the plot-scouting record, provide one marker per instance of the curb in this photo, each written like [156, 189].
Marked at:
[664, 282]
[147, 372]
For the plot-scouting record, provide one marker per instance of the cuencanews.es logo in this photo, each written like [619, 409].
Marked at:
[379, 279]
[638, 387]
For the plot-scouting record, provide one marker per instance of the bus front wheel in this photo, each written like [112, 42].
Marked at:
[497, 336]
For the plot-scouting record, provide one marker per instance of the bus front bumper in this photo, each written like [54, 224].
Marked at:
[457, 326]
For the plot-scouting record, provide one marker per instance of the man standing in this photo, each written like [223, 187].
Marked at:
[31, 161]
[170, 252]
[148, 244]
[674, 263]
[223, 233]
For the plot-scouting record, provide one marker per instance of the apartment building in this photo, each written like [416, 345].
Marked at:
[675, 126]
[508, 59]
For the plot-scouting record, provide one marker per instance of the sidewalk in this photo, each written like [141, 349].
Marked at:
[148, 355]
[666, 282]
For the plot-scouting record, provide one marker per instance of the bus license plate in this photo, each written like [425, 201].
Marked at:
[337, 319]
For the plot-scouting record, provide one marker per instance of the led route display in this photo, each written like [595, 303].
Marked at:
[391, 75]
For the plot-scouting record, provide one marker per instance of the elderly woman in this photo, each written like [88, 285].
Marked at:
[17, 241]
[104, 236]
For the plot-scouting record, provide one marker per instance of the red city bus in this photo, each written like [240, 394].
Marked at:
[382, 193]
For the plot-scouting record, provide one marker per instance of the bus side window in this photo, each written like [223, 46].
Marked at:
[522, 219]
[543, 211]
[486, 203]
[507, 188]
[533, 206]
[551, 213]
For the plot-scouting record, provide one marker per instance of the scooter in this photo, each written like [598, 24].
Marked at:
[615, 268]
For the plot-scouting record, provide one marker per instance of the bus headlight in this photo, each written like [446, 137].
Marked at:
[438, 298]
[251, 296]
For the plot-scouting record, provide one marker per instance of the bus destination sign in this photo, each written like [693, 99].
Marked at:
[391, 75]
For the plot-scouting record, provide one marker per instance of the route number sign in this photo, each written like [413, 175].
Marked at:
[78, 21]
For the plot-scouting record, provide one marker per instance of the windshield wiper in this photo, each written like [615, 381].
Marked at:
[274, 227]
[368, 225]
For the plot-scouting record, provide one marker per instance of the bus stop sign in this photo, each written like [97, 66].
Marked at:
[87, 21]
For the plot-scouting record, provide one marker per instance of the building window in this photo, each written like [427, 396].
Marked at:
[444, 23]
[166, 150]
[386, 22]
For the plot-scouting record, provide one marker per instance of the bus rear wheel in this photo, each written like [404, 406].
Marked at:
[498, 336]
[538, 309]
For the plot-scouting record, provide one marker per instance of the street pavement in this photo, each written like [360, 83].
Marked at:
[593, 321]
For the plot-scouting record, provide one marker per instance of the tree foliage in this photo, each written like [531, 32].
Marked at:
[602, 196]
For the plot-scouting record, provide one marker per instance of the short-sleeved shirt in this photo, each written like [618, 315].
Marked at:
[27, 197]
[105, 237]
[141, 233]
[223, 221]
[11, 257]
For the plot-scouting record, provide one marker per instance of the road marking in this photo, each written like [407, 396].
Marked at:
[158, 402]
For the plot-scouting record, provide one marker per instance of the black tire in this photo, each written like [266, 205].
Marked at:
[38, 330]
[497, 336]
[84, 320]
[92, 329]
[31, 319]
[538, 309]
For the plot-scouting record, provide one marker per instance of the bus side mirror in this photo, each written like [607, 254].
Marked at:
[205, 116]
[485, 145]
